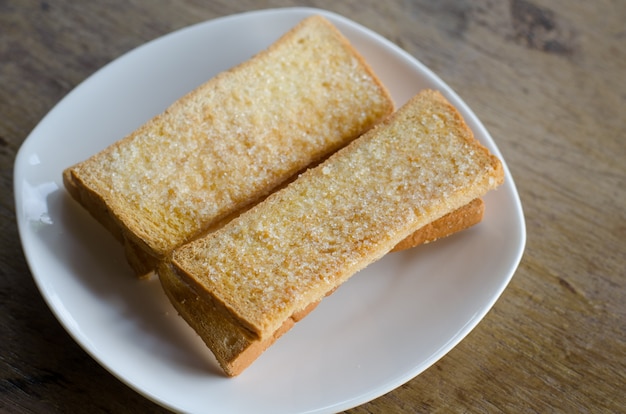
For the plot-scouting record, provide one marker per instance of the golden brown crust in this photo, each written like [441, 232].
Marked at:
[91, 202]
[460, 219]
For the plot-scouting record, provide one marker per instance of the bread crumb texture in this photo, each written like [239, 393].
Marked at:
[306, 239]
[235, 138]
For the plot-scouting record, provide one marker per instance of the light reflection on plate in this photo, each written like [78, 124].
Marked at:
[382, 328]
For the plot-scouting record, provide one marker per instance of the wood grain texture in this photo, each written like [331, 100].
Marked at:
[547, 78]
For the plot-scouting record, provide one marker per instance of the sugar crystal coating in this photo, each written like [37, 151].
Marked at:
[304, 240]
[239, 136]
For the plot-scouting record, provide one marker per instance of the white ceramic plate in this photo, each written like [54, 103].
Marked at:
[382, 328]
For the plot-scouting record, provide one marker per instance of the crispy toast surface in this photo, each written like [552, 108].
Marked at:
[303, 241]
[230, 142]
[233, 346]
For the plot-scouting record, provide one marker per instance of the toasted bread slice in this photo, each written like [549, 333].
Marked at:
[242, 348]
[285, 254]
[230, 142]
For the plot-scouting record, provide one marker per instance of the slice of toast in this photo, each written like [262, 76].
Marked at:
[253, 278]
[242, 349]
[230, 142]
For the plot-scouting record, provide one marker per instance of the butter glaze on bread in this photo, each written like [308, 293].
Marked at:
[230, 142]
[298, 245]
[234, 347]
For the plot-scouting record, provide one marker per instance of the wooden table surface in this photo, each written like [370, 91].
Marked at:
[546, 77]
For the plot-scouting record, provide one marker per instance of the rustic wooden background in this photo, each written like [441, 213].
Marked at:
[547, 78]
